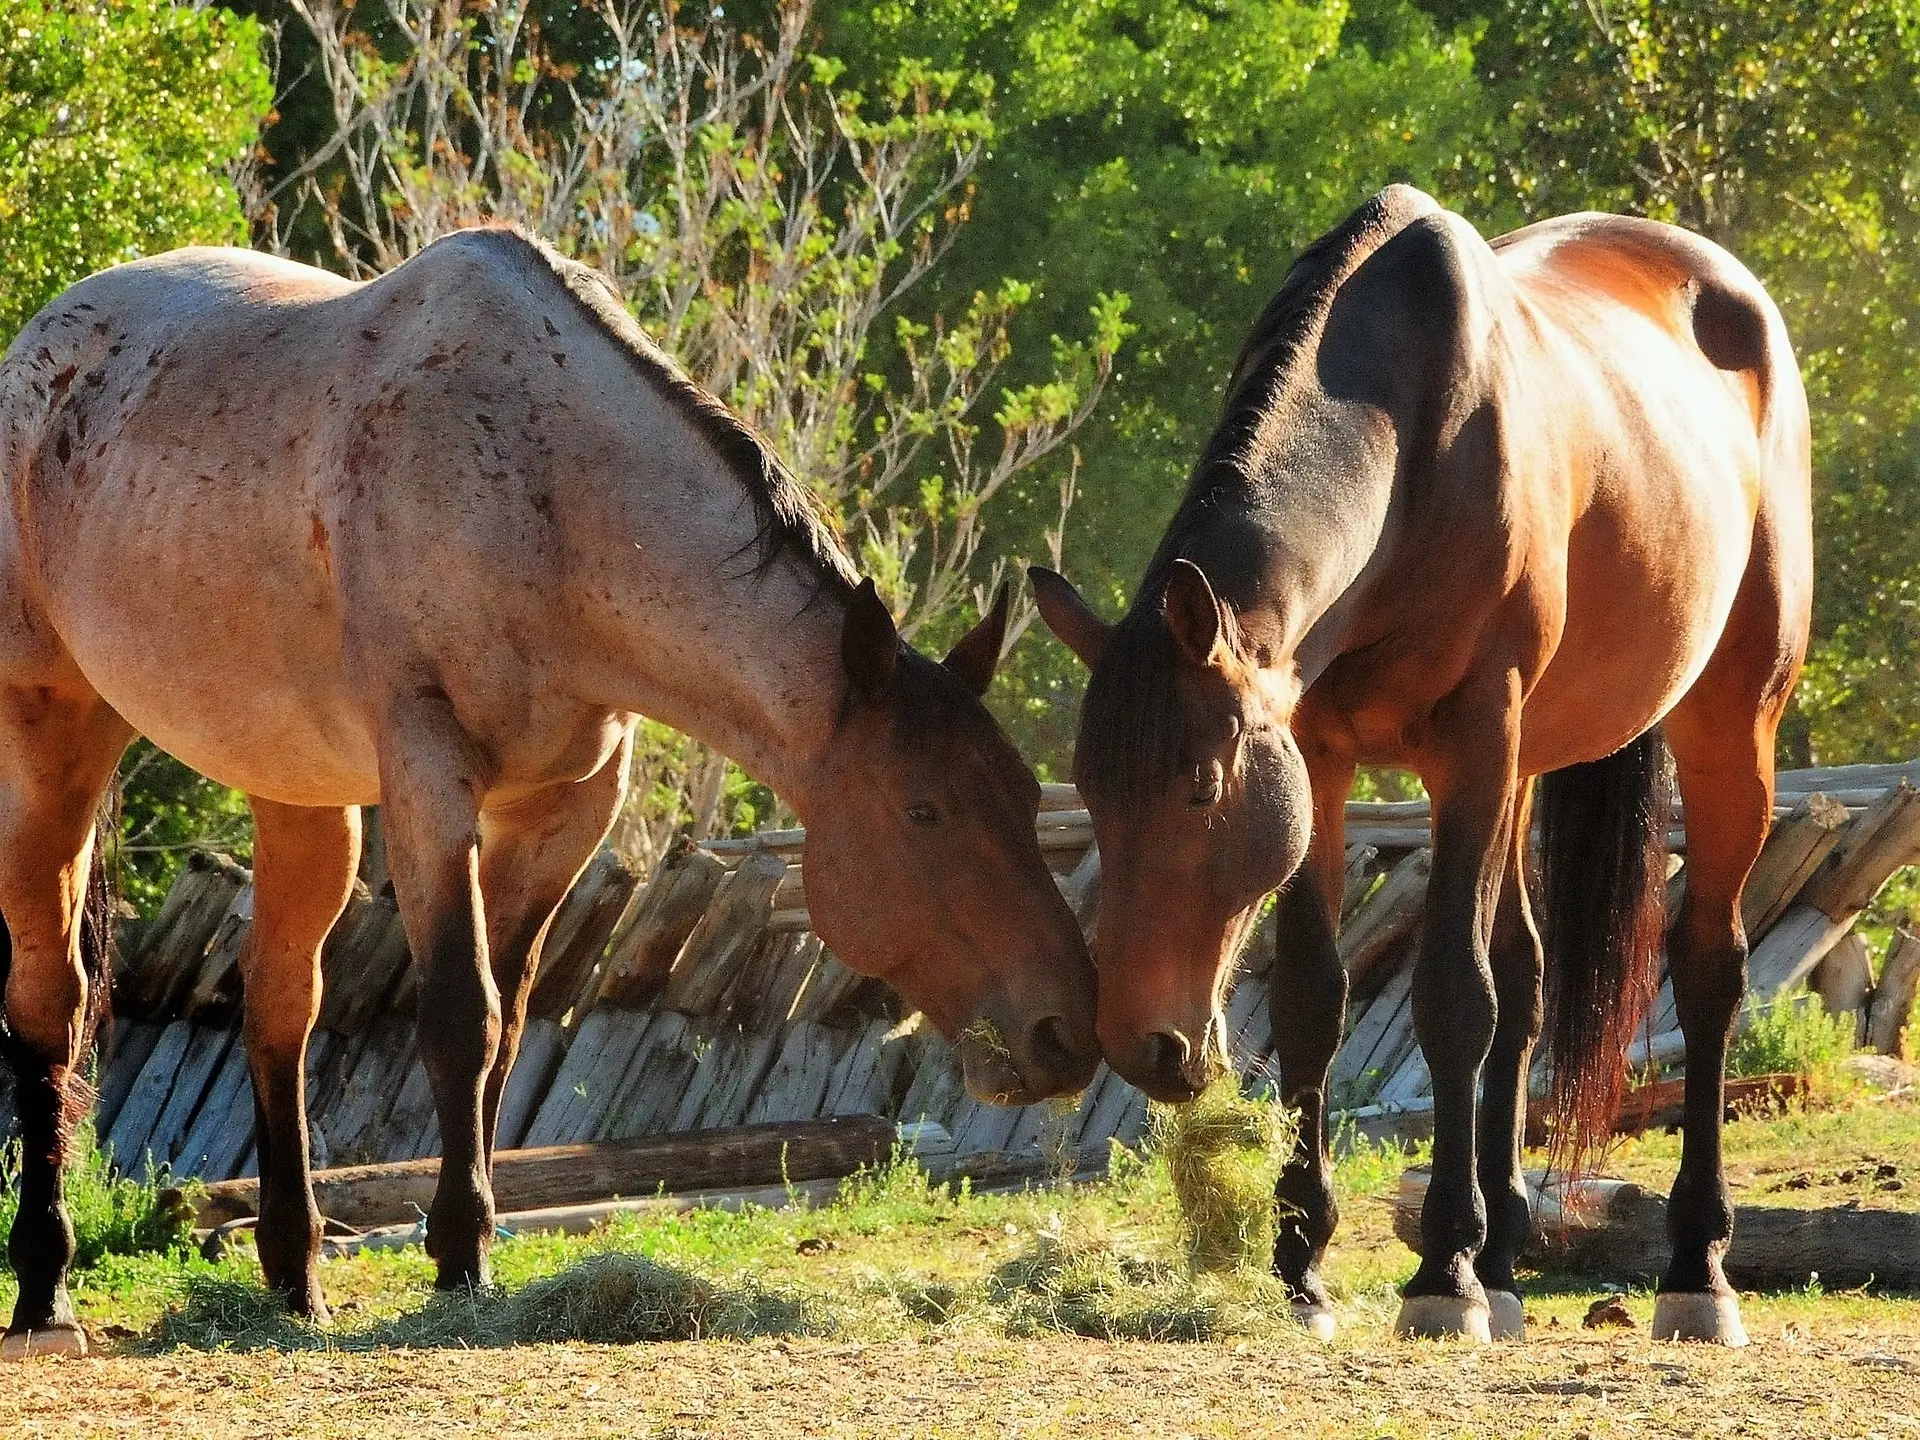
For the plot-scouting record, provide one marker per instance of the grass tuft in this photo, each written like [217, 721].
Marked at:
[222, 1314]
[612, 1298]
[1083, 1282]
[1223, 1151]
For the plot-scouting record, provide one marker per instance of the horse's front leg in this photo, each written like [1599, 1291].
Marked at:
[303, 864]
[1517, 967]
[431, 787]
[1474, 787]
[1308, 1000]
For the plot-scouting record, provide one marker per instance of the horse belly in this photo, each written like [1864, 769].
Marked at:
[1643, 618]
[194, 613]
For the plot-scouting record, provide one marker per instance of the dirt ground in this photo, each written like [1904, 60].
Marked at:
[1821, 1364]
[1841, 1381]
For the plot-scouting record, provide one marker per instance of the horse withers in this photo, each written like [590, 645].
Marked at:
[1488, 512]
[433, 542]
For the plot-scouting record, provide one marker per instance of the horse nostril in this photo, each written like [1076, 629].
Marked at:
[1169, 1052]
[1050, 1045]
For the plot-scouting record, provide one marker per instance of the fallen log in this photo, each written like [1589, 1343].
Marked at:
[743, 1157]
[1615, 1229]
[1794, 850]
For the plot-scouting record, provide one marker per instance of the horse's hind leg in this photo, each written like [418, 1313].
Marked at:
[303, 864]
[1515, 956]
[1721, 735]
[531, 852]
[57, 755]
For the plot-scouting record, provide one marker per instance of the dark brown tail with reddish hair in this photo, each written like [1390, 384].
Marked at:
[1603, 901]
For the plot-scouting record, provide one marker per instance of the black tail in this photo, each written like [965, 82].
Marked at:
[1603, 884]
[98, 918]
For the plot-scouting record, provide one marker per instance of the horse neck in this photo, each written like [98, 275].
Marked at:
[696, 634]
[1286, 546]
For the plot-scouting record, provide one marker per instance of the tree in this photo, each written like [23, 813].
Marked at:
[124, 121]
[767, 222]
[1183, 151]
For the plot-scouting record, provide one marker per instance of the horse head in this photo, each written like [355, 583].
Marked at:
[1200, 807]
[923, 867]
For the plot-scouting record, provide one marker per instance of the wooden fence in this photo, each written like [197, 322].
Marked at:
[697, 997]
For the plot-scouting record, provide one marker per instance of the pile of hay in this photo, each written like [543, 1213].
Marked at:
[1223, 1152]
[611, 1298]
[1096, 1285]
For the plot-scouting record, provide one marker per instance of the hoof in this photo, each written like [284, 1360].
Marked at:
[1441, 1317]
[54, 1340]
[1690, 1315]
[1317, 1321]
[1506, 1316]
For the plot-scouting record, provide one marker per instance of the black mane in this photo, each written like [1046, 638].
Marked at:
[1130, 740]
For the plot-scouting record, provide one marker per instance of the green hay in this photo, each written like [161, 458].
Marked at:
[1223, 1151]
[234, 1315]
[607, 1299]
[1093, 1284]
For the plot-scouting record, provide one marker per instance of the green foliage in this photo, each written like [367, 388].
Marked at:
[111, 1216]
[166, 813]
[1790, 1035]
[122, 120]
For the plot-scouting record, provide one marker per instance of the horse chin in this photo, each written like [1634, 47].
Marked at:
[990, 1075]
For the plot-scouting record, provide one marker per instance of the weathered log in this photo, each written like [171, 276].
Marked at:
[1795, 849]
[589, 1077]
[726, 1077]
[1893, 997]
[213, 989]
[206, 1048]
[1871, 849]
[1387, 918]
[575, 1174]
[663, 916]
[1844, 982]
[1616, 1229]
[796, 1085]
[364, 958]
[656, 1079]
[725, 936]
[133, 1124]
[579, 934]
[156, 977]
[222, 1128]
[120, 1063]
[1375, 1042]
[1357, 881]
[543, 1044]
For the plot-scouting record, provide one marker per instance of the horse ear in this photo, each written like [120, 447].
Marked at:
[1068, 616]
[977, 655]
[1193, 612]
[869, 644]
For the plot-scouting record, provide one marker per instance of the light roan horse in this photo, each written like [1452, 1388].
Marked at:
[434, 542]
[1488, 512]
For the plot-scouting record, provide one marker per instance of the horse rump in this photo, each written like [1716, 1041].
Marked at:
[1601, 896]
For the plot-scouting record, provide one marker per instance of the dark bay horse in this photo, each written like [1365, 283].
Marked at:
[1488, 512]
[434, 542]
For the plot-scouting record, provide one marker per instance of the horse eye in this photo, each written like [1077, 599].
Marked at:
[921, 812]
[1206, 790]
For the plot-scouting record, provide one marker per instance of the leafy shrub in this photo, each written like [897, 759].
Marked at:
[1790, 1035]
